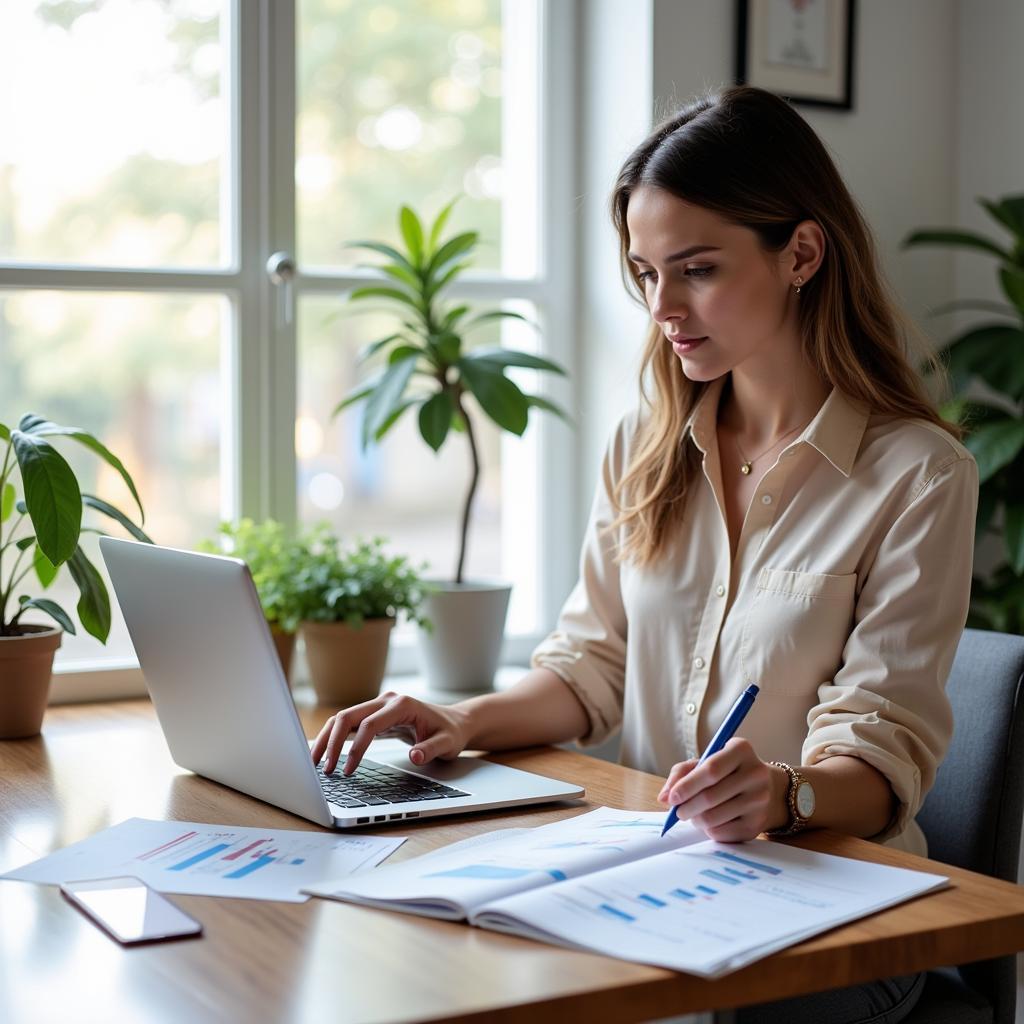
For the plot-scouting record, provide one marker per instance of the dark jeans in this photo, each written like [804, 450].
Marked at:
[877, 1002]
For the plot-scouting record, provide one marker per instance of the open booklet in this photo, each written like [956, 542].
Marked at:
[606, 881]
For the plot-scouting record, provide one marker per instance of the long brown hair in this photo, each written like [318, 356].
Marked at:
[747, 155]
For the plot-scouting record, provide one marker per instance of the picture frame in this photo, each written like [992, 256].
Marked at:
[800, 49]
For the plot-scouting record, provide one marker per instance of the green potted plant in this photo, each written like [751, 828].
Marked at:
[426, 366]
[349, 597]
[39, 533]
[992, 355]
[273, 556]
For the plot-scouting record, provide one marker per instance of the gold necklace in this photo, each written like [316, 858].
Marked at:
[746, 465]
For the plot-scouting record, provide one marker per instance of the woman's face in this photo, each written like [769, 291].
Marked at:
[718, 297]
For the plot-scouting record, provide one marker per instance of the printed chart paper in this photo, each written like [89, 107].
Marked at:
[212, 860]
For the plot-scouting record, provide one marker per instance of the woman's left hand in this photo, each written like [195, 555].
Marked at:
[731, 797]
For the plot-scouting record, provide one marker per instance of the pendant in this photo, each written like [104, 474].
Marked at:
[745, 469]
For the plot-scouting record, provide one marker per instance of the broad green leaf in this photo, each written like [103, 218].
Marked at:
[951, 236]
[5, 432]
[383, 292]
[438, 227]
[46, 571]
[386, 397]
[547, 405]
[359, 392]
[7, 499]
[406, 277]
[385, 250]
[995, 353]
[52, 609]
[453, 315]
[39, 427]
[995, 445]
[24, 543]
[412, 232]
[497, 395]
[1009, 211]
[436, 418]
[502, 357]
[52, 497]
[450, 274]
[1012, 281]
[108, 510]
[451, 249]
[396, 415]
[94, 601]
[449, 346]
[1013, 529]
[404, 352]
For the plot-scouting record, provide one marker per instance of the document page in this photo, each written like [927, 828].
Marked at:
[451, 882]
[212, 860]
[707, 908]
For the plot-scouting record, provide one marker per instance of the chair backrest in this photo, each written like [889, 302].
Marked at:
[972, 817]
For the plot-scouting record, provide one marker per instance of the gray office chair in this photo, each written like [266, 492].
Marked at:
[972, 816]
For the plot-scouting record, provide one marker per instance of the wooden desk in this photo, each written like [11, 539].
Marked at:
[96, 765]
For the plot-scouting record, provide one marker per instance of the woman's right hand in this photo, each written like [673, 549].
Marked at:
[433, 730]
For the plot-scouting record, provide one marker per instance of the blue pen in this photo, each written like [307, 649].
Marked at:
[725, 733]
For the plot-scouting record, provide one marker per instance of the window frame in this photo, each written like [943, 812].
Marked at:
[258, 459]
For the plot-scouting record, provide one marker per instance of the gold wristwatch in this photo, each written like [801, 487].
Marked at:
[799, 798]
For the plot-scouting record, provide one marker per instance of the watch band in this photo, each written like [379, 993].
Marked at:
[797, 822]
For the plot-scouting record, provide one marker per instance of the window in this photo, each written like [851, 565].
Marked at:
[159, 154]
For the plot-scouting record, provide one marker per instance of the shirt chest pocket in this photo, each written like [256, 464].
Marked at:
[795, 629]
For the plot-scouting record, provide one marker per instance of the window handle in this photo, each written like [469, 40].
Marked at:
[281, 271]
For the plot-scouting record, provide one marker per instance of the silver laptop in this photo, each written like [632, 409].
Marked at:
[227, 713]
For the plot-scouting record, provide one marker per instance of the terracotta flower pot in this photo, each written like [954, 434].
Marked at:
[346, 665]
[284, 644]
[26, 663]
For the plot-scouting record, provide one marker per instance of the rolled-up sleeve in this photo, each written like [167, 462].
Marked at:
[588, 646]
[887, 704]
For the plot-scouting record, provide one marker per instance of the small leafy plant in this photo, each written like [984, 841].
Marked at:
[274, 558]
[426, 366]
[992, 355]
[354, 582]
[40, 531]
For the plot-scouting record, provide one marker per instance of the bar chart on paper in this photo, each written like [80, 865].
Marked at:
[213, 860]
[706, 907]
[225, 854]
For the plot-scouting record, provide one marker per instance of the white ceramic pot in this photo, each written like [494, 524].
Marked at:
[461, 652]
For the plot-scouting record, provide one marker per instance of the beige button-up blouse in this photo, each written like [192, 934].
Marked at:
[845, 604]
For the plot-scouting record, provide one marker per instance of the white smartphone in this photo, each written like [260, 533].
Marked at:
[130, 910]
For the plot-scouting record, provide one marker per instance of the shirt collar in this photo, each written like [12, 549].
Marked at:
[836, 431]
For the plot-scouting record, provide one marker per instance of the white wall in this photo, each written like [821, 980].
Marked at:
[990, 126]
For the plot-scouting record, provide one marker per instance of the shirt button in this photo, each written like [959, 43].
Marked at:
[766, 499]
[691, 708]
[720, 590]
[698, 662]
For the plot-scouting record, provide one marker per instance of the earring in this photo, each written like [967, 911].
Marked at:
[799, 282]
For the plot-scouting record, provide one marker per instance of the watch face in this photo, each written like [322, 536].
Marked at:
[805, 799]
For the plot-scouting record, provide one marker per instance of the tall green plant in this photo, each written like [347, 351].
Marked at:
[992, 353]
[425, 363]
[53, 504]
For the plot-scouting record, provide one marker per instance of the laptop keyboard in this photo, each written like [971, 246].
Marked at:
[372, 785]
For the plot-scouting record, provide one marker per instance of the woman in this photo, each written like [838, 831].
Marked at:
[787, 507]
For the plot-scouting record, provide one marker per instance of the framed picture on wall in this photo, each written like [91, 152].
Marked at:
[800, 49]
